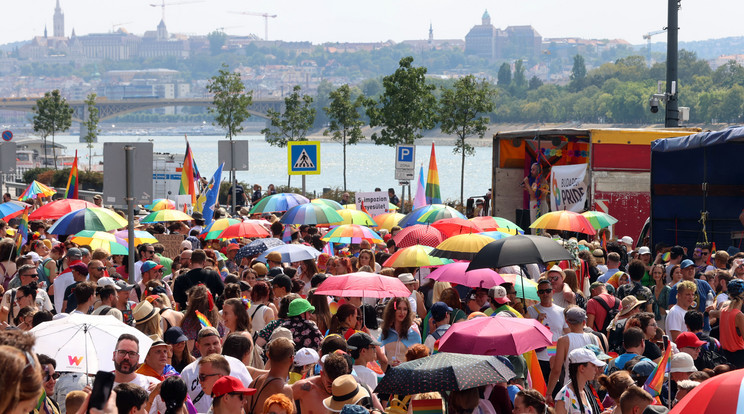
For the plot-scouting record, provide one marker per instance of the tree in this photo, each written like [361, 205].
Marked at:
[346, 122]
[534, 83]
[91, 126]
[216, 40]
[230, 107]
[462, 111]
[52, 114]
[293, 123]
[578, 74]
[504, 76]
[406, 106]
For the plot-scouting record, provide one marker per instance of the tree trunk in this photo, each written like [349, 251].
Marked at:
[54, 151]
[90, 157]
[462, 176]
[46, 155]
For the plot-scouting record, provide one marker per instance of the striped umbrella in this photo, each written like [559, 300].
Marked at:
[213, 230]
[488, 223]
[12, 209]
[278, 202]
[388, 220]
[101, 240]
[462, 246]
[598, 219]
[439, 212]
[166, 215]
[418, 234]
[415, 256]
[564, 220]
[414, 217]
[496, 235]
[59, 208]
[161, 204]
[36, 189]
[352, 233]
[335, 205]
[355, 217]
[247, 228]
[140, 236]
[100, 219]
[311, 213]
[454, 226]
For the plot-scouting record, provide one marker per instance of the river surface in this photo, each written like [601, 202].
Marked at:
[368, 165]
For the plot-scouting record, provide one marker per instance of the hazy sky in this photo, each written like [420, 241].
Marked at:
[378, 20]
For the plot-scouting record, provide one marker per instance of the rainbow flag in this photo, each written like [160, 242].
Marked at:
[712, 252]
[72, 182]
[656, 380]
[189, 175]
[552, 349]
[420, 199]
[535, 378]
[427, 406]
[203, 320]
[433, 195]
[22, 232]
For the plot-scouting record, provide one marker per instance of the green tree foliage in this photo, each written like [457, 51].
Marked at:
[345, 120]
[294, 122]
[52, 114]
[519, 81]
[322, 100]
[216, 40]
[534, 83]
[406, 107]
[504, 77]
[578, 73]
[463, 111]
[91, 126]
[231, 101]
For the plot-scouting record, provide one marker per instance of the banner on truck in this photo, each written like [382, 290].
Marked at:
[567, 187]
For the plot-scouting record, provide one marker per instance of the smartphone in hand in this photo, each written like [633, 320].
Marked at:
[102, 387]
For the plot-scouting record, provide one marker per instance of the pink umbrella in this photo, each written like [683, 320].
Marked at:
[456, 273]
[363, 285]
[418, 234]
[499, 335]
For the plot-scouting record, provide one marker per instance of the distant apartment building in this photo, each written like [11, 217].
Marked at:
[487, 41]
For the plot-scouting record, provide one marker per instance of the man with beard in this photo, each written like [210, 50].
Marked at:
[126, 359]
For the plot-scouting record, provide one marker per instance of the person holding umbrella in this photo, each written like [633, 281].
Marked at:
[583, 365]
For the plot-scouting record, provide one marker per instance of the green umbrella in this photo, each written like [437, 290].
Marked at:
[598, 219]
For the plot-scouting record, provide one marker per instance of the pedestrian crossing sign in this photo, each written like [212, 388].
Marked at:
[303, 157]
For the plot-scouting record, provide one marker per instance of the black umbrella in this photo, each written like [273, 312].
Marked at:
[256, 247]
[518, 250]
[444, 371]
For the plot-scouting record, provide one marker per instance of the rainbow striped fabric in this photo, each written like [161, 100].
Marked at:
[72, 183]
[433, 195]
[203, 320]
[189, 175]
[22, 232]
[427, 406]
[656, 380]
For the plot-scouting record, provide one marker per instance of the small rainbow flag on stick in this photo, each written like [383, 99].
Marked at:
[203, 320]
[72, 182]
[433, 195]
[656, 380]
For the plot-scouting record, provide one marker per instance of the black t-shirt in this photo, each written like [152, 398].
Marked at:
[652, 350]
[71, 299]
[239, 195]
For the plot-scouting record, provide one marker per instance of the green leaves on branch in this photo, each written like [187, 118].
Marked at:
[231, 102]
[52, 114]
[292, 124]
[345, 121]
[91, 125]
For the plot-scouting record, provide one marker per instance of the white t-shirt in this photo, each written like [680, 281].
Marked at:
[60, 284]
[675, 320]
[142, 381]
[554, 320]
[365, 376]
[190, 375]
[138, 271]
[567, 397]
[42, 300]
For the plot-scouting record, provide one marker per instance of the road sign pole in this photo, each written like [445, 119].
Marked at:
[129, 162]
[233, 178]
[402, 198]
[303, 185]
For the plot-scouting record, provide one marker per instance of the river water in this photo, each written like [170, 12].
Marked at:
[368, 165]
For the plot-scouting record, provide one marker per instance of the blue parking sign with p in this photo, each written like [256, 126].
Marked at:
[405, 154]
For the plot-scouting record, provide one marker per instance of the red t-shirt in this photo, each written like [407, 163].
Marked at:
[594, 308]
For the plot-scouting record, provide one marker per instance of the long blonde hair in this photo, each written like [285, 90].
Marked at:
[21, 379]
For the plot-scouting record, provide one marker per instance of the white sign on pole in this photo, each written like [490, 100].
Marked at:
[183, 200]
[375, 202]
[567, 187]
[405, 162]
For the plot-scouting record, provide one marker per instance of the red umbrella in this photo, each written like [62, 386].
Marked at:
[456, 273]
[248, 228]
[454, 226]
[718, 395]
[59, 208]
[418, 234]
[499, 335]
[363, 285]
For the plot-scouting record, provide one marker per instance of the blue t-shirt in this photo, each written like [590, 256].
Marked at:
[413, 338]
[701, 296]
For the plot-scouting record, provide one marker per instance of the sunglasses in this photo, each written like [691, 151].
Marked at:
[54, 376]
[544, 291]
[101, 268]
[203, 377]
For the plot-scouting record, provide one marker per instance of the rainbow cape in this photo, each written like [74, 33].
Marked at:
[189, 175]
[656, 380]
[72, 182]
[203, 320]
[433, 195]
[22, 232]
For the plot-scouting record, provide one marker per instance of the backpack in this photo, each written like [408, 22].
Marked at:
[611, 312]
[615, 337]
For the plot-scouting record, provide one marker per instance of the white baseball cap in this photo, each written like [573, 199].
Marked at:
[627, 240]
[644, 250]
[582, 356]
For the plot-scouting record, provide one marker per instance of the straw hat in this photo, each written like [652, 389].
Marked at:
[345, 390]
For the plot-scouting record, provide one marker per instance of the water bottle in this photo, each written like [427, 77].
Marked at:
[711, 299]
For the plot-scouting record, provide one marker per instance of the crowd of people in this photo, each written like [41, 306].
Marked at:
[232, 333]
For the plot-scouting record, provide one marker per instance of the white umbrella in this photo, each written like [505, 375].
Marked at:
[85, 343]
[292, 253]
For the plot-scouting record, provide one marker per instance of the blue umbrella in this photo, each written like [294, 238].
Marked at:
[257, 247]
[13, 209]
[292, 253]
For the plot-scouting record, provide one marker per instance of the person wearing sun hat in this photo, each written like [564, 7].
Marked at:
[305, 332]
[583, 366]
[346, 390]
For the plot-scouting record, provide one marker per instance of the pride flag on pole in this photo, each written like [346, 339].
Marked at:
[189, 175]
[433, 195]
[72, 182]
[212, 193]
[656, 380]
[22, 232]
[420, 199]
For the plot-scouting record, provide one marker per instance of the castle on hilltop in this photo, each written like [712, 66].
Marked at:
[485, 40]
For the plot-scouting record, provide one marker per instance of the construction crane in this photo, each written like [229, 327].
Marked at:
[648, 37]
[266, 17]
[174, 3]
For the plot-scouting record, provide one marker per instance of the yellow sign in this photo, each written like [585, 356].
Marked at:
[303, 157]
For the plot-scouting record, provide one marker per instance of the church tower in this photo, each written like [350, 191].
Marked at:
[486, 19]
[162, 31]
[431, 34]
[59, 22]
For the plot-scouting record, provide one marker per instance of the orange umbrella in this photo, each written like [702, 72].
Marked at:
[564, 220]
[454, 226]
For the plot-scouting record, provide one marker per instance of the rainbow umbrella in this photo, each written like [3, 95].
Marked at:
[488, 223]
[166, 215]
[59, 208]
[101, 240]
[598, 219]
[248, 228]
[388, 220]
[418, 234]
[496, 235]
[278, 202]
[98, 219]
[439, 212]
[335, 205]
[311, 213]
[391, 206]
[412, 218]
[161, 204]
[415, 256]
[352, 233]
[213, 230]
[355, 217]
[12, 209]
[37, 189]
[564, 220]
[140, 236]
[461, 247]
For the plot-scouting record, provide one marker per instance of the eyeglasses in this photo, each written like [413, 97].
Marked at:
[203, 377]
[54, 376]
[32, 275]
[544, 291]
[131, 354]
[553, 278]
[150, 251]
